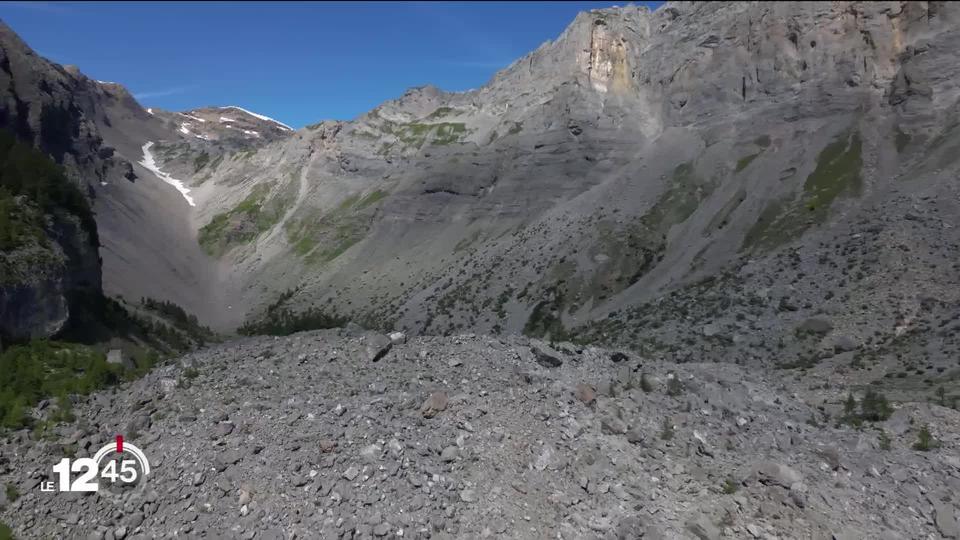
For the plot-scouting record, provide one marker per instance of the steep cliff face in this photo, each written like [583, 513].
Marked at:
[48, 244]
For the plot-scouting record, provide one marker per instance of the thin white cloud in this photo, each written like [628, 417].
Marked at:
[161, 93]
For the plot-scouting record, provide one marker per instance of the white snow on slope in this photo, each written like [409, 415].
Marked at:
[225, 119]
[150, 164]
[184, 130]
[260, 116]
[251, 132]
[192, 117]
[150, 111]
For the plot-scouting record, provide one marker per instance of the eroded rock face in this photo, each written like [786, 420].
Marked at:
[34, 310]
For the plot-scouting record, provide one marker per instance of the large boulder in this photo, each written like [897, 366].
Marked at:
[815, 325]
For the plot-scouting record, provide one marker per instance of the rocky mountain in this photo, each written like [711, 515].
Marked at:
[224, 124]
[696, 181]
[706, 255]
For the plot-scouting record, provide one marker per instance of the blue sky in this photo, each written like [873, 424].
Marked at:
[296, 62]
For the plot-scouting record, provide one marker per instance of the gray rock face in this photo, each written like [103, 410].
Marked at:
[777, 473]
[945, 516]
[815, 325]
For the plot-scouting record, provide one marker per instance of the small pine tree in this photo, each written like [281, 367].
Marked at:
[875, 407]
[925, 440]
[64, 412]
[12, 492]
[674, 386]
[666, 432]
[729, 486]
[645, 383]
[885, 442]
[850, 406]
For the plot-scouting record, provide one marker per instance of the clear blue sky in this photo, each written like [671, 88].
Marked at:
[297, 62]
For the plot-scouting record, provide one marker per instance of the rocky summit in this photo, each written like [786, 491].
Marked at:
[690, 272]
[309, 436]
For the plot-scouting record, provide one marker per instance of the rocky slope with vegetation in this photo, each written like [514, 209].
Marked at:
[637, 155]
[345, 434]
[751, 206]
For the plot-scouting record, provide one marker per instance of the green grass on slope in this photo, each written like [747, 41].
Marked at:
[763, 142]
[244, 223]
[416, 134]
[320, 239]
[44, 369]
[630, 250]
[837, 173]
[745, 161]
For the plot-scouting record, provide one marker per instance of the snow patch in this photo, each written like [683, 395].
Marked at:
[150, 112]
[184, 130]
[251, 132]
[192, 117]
[225, 119]
[260, 116]
[150, 164]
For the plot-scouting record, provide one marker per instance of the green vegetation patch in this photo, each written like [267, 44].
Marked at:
[253, 216]
[40, 369]
[544, 320]
[416, 134]
[322, 238]
[623, 253]
[763, 142]
[281, 321]
[900, 139]
[28, 173]
[680, 200]
[370, 199]
[441, 112]
[186, 322]
[200, 161]
[745, 161]
[837, 173]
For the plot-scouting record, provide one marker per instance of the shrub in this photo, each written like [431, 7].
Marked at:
[885, 442]
[730, 487]
[666, 432]
[674, 386]
[874, 407]
[645, 383]
[12, 492]
[925, 440]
